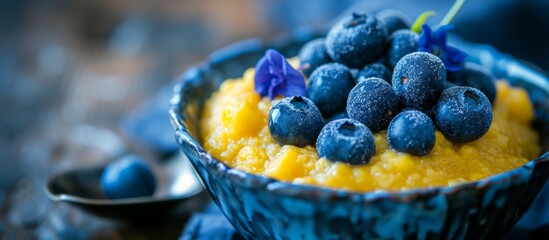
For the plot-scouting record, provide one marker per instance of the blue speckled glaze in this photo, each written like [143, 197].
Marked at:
[264, 208]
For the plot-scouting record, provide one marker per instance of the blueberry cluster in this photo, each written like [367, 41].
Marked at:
[369, 75]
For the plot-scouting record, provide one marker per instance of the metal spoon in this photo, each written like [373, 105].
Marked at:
[179, 192]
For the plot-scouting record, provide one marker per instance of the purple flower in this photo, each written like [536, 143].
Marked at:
[274, 76]
[437, 44]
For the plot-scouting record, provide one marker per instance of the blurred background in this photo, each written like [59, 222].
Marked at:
[78, 79]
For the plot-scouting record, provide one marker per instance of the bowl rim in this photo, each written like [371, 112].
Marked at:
[303, 191]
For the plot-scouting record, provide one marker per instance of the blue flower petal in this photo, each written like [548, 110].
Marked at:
[262, 77]
[275, 59]
[440, 36]
[437, 43]
[295, 84]
[454, 59]
[425, 44]
[275, 76]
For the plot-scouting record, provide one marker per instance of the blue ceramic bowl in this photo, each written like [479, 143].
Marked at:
[264, 208]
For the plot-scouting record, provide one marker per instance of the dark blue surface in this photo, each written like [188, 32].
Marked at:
[264, 208]
[209, 224]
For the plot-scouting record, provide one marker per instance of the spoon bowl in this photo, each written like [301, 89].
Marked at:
[179, 192]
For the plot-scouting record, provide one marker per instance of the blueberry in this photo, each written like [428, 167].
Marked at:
[357, 40]
[401, 43]
[346, 140]
[394, 20]
[454, 76]
[412, 132]
[312, 55]
[383, 60]
[374, 70]
[463, 114]
[373, 103]
[418, 80]
[477, 76]
[128, 177]
[337, 116]
[329, 86]
[449, 85]
[429, 112]
[295, 121]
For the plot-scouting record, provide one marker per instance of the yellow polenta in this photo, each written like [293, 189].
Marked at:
[234, 130]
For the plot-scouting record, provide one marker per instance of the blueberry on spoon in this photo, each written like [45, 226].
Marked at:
[128, 177]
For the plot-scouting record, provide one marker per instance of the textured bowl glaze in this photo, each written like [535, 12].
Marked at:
[264, 208]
